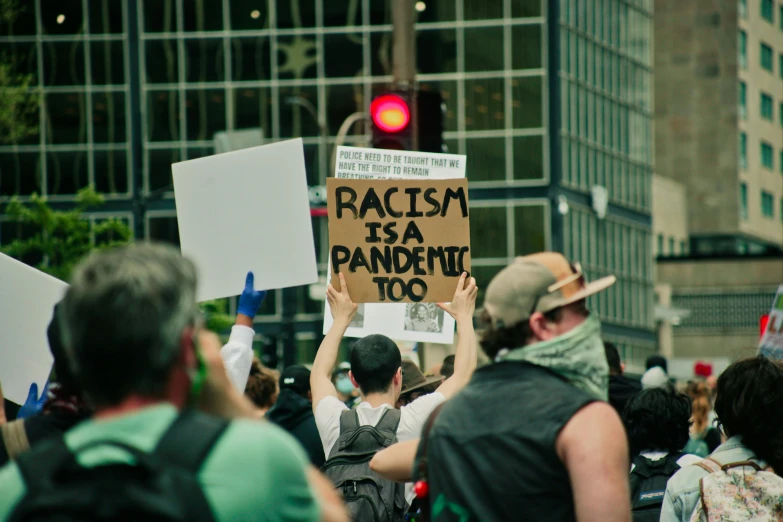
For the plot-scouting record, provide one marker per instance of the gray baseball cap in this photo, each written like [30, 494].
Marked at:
[537, 283]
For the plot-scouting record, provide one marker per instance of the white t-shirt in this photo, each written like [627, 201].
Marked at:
[412, 417]
[685, 460]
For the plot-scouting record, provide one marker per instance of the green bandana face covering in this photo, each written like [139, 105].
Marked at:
[577, 355]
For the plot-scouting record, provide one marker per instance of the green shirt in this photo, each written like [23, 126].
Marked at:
[255, 471]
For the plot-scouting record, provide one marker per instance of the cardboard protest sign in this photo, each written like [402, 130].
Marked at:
[243, 211]
[393, 319]
[399, 240]
[771, 343]
[27, 299]
[359, 163]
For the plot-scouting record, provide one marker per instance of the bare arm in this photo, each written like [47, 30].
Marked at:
[343, 310]
[332, 507]
[396, 462]
[461, 309]
[593, 448]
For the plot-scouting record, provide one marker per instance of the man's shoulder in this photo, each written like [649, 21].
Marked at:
[12, 487]
[255, 439]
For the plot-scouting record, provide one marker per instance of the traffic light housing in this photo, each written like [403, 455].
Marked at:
[394, 121]
[391, 121]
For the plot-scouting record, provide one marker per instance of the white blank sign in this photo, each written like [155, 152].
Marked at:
[27, 299]
[243, 211]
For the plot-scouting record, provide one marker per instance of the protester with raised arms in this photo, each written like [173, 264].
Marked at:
[376, 371]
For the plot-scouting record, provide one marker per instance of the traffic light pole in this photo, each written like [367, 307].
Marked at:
[404, 55]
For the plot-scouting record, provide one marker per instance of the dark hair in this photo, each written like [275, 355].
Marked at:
[750, 393]
[261, 387]
[657, 419]
[613, 357]
[447, 368]
[62, 369]
[374, 361]
[657, 360]
[495, 339]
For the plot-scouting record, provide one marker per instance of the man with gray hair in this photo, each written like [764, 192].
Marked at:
[130, 325]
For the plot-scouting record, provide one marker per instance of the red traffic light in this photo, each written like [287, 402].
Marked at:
[390, 113]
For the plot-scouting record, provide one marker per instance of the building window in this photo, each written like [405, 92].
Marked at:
[767, 111]
[767, 204]
[660, 244]
[767, 160]
[743, 201]
[742, 45]
[743, 8]
[743, 150]
[768, 10]
[671, 246]
[743, 100]
[683, 248]
[766, 56]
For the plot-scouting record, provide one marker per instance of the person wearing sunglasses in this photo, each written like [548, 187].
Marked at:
[532, 436]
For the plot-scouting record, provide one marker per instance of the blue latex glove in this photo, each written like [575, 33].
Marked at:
[33, 404]
[250, 300]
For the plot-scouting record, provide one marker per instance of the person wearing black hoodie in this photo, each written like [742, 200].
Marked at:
[621, 388]
[293, 412]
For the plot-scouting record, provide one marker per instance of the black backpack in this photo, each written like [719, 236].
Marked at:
[648, 485]
[161, 486]
[368, 496]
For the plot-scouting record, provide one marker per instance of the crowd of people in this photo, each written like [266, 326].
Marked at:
[147, 417]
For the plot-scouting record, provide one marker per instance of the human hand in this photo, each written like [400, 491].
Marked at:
[340, 303]
[463, 304]
[250, 300]
[218, 396]
[33, 404]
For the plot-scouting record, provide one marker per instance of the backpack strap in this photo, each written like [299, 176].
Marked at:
[349, 421]
[189, 439]
[390, 421]
[14, 438]
[186, 444]
[709, 465]
[39, 467]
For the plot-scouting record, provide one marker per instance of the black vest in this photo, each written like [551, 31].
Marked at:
[491, 451]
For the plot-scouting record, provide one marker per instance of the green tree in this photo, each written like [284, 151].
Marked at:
[60, 239]
[19, 97]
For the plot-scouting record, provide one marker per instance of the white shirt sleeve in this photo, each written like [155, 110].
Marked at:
[238, 355]
[415, 414]
[327, 420]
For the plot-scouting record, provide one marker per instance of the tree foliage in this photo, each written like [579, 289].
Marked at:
[60, 239]
[19, 95]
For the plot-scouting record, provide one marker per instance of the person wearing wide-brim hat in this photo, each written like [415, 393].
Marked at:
[415, 384]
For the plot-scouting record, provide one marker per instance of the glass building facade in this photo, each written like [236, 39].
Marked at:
[547, 98]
